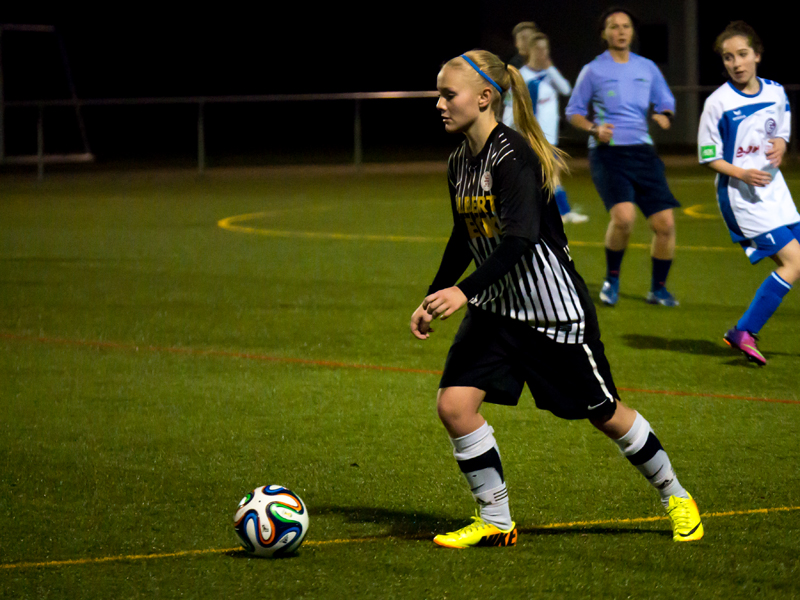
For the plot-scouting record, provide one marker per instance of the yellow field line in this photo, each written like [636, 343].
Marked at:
[730, 513]
[231, 224]
[696, 211]
[131, 557]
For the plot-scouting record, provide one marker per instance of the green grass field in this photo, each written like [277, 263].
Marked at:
[156, 366]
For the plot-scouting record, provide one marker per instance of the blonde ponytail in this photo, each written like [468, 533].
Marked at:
[508, 78]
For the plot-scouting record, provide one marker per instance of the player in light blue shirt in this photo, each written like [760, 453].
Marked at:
[621, 95]
[617, 90]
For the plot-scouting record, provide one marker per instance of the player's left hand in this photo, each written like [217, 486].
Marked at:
[421, 324]
[775, 154]
[662, 120]
[444, 303]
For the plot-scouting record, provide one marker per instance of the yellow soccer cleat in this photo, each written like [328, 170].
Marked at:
[685, 518]
[478, 533]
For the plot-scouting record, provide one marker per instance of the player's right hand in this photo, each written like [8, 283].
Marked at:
[756, 178]
[605, 132]
[421, 323]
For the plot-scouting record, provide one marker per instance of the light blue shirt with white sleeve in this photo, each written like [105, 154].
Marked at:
[621, 94]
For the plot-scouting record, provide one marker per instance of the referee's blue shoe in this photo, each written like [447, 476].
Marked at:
[661, 296]
[609, 295]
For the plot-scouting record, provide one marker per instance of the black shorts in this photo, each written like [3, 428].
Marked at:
[631, 174]
[499, 355]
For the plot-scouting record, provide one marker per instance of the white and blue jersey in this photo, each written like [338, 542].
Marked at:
[544, 87]
[621, 94]
[736, 127]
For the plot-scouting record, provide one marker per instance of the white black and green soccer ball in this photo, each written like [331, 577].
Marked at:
[271, 521]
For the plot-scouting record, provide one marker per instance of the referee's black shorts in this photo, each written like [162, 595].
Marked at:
[631, 174]
[499, 355]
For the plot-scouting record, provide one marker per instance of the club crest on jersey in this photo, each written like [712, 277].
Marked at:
[486, 181]
[770, 126]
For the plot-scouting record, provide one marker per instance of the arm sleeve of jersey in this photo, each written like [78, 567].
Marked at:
[709, 140]
[560, 82]
[660, 95]
[785, 129]
[520, 197]
[457, 255]
[455, 260]
[494, 268]
[582, 94]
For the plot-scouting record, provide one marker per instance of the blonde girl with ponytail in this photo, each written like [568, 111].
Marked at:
[529, 316]
[508, 78]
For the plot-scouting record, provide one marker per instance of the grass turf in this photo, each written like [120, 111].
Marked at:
[151, 374]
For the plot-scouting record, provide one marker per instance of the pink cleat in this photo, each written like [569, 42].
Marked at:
[745, 342]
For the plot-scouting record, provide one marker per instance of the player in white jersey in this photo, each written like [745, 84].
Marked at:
[545, 82]
[743, 134]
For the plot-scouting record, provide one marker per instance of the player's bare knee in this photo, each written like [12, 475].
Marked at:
[448, 407]
[615, 424]
[623, 227]
[601, 422]
[663, 224]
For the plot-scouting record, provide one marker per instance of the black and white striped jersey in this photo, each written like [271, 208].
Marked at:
[499, 193]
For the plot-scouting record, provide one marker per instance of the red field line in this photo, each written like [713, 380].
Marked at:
[209, 352]
[705, 395]
[328, 363]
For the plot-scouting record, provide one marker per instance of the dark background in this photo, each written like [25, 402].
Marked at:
[295, 50]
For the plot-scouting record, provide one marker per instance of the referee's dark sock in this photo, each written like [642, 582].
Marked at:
[642, 448]
[613, 263]
[660, 272]
[479, 459]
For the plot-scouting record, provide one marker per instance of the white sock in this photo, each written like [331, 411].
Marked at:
[642, 448]
[479, 459]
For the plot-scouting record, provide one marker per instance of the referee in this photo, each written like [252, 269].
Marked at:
[620, 87]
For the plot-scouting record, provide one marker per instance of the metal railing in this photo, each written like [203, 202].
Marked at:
[40, 158]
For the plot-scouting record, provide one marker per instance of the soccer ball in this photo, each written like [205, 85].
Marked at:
[271, 521]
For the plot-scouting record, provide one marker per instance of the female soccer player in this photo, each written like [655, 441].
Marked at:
[620, 87]
[743, 134]
[529, 317]
[545, 83]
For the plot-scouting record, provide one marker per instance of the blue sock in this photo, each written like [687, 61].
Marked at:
[561, 201]
[767, 300]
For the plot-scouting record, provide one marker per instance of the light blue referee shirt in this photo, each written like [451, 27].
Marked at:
[621, 94]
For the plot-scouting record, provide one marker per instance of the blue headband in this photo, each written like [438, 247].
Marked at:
[481, 73]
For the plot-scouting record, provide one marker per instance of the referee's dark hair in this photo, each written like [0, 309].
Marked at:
[601, 24]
